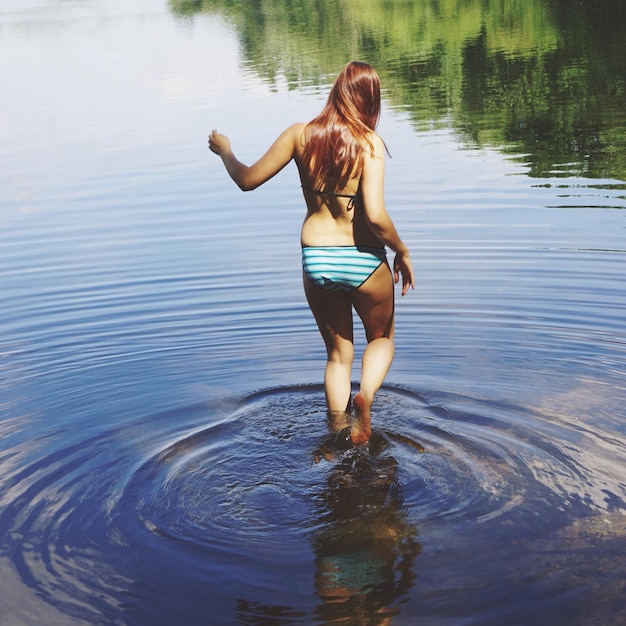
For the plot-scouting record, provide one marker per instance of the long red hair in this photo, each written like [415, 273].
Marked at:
[336, 139]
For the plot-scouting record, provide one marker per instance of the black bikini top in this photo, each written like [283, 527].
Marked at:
[336, 195]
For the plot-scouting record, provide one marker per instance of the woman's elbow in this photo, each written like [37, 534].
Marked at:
[241, 177]
[377, 220]
[245, 185]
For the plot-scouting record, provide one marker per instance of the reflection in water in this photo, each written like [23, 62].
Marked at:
[168, 521]
[365, 547]
[132, 493]
[543, 79]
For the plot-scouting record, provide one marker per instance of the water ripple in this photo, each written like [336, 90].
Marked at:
[135, 524]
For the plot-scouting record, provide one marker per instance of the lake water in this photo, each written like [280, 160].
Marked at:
[164, 457]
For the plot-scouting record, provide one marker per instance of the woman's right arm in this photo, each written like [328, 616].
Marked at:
[373, 196]
[249, 177]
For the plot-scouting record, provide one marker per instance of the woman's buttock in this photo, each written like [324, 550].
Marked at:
[341, 268]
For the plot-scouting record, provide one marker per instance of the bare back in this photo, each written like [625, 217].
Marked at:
[332, 220]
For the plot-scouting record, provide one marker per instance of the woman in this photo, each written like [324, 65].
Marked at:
[341, 159]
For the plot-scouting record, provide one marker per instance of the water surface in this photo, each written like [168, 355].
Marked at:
[163, 444]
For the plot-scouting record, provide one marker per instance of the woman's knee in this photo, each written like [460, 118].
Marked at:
[381, 329]
[343, 354]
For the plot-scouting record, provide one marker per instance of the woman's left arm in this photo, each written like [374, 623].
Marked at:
[249, 177]
[372, 193]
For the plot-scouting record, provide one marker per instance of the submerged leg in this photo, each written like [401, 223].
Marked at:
[374, 303]
[377, 359]
[337, 420]
[333, 313]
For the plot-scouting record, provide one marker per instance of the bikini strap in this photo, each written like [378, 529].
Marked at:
[336, 195]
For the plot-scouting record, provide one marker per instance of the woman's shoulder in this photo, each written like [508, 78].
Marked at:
[296, 136]
[376, 144]
[296, 128]
[295, 132]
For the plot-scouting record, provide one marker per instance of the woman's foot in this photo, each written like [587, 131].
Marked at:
[362, 425]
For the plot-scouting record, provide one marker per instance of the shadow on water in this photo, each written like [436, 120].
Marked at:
[366, 547]
[261, 518]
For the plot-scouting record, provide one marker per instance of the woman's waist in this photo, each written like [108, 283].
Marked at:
[374, 249]
[318, 230]
[337, 238]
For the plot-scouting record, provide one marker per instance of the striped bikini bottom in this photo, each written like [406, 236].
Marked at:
[341, 268]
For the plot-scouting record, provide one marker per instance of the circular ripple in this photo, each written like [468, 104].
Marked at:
[478, 465]
[261, 502]
[243, 481]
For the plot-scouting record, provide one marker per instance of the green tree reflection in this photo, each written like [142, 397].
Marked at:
[542, 79]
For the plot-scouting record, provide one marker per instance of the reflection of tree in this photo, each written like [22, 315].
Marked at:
[542, 78]
[562, 108]
[365, 546]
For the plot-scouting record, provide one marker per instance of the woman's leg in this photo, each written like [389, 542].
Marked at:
[374, 303]
[333, 313]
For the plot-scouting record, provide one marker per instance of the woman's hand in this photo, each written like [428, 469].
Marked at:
[402, 265]
[220, 144]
